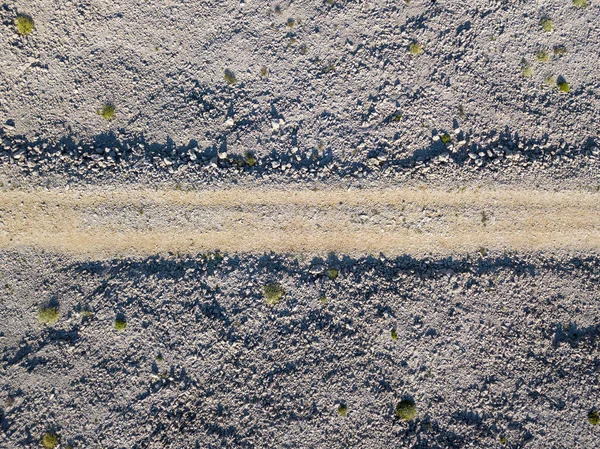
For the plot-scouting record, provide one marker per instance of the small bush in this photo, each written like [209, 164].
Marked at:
[563, 86]
[250, 159]
[333, 273]
[547, 25]
[542, 55]
[24, 24]
[273, 293]
[415, 49]
[527, 71]
[342, 410]
[445, 139]
[581, 3]
[108, 111]
[560, 50]
[264, 71]
[50, 440]
[406, 410]
[394, 334]
[593, 418]
[502, 440]
[229, 77]
[48, 315]
[120, 324]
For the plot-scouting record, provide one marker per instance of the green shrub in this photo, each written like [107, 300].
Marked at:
[415, 49]
[445, 138]
[273, 293]
[581, 3]
[594, 418]
[24, 24]
[250, 159]
[342, 410]
[406, 410]
[394, 334]
[333, 273]
[560, 50]
[563, 86]
[503, 440]
[542, 55]
[547, 25]
[120, 324]
[229, 77]
[50, 440]
[48, 315]
[108, 111]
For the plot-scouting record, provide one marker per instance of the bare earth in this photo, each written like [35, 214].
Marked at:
[393, 221]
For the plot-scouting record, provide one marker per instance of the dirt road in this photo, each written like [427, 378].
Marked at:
[391, 221]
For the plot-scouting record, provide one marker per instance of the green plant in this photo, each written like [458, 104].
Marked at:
[250, 159]
[333, 273]
[107, 111]
[547, 25]
[397, 117]
[394, 334]
[415, 49]
[593, 418]
[120, 324]
[581, 3]
[526, 69]
[24, 24]
[324, 300]
[229, 77]
[502, 440]
[406, 410]
[542, 55]
[48, 315]
[160, 358]
[273, 293]
[445, 139]
[264, 71]
[342, 410]
[560, 50]
[563, 86]
[291, 22]
[50, 440]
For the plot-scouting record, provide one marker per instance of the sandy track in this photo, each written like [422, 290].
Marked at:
[393, 221]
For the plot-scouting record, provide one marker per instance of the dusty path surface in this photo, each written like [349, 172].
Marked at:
[393, 221]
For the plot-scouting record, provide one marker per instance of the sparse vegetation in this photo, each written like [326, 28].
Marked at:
[264, 71]
[50, 440]
[415, 49]
[323, 299]
[547, 25]
[526, 69]
[291, 22]
[594, 417]
[107, 111]
[406, 410]
[24, 24]
[560, 50]
[542, 55]
[342, 410]
[120, 324]
[394, 334]
[502, 440]
[333, 273]
[581, 3]
[229, 77]
[250, 159]
[48, 315]
[563, 86]
[273, 293]
[445, 138]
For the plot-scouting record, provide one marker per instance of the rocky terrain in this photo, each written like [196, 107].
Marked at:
[108, 341]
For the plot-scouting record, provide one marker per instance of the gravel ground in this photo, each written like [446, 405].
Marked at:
[488, 347]
[495, 349]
